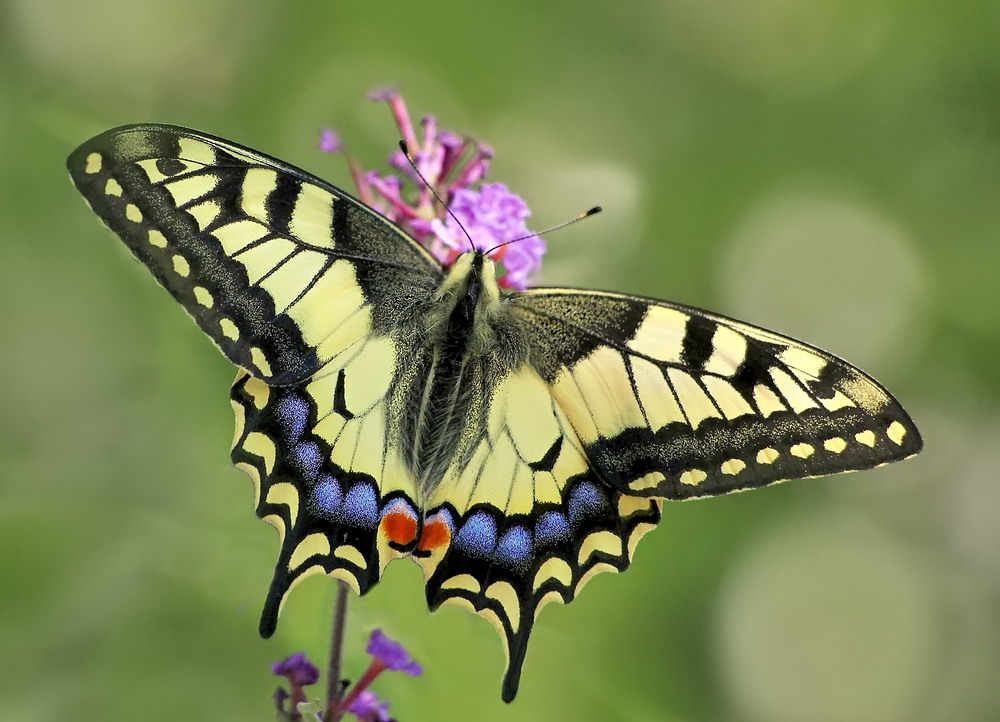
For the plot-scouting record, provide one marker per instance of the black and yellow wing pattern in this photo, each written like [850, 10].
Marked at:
[512, 444]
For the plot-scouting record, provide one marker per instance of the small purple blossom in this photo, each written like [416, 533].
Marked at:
[329, 141]
[391, 654]
[487, 217]
[367, 707]
[298, 670]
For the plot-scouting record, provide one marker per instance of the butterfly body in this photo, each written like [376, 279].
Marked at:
[513, 444]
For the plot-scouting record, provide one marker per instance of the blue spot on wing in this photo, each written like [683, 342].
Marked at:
[307, 459]
[551, 528]
[514, 547]
[478, 535]
[293, 415]
[361, 506]
[586, 501]
[327, 497]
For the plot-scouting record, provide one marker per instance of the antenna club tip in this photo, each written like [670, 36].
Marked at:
[593, 211]
[403, 147]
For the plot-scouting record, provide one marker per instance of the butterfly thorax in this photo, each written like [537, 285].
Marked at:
[460, 343]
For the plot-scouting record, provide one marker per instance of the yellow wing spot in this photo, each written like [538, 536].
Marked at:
[867, 438]
[693, 477]
[259, 392]
[157, 239]
[549, 598]
[351, 554]
[260, 361]
[896, 432]
[312, 216]
[340, 573]
[600, 541]
[628, 505]
[153, 173]
[195, 151]
[258, 184]
[310, 546]
[466, 582]
[733, 467]
[767, 401]
[133, 213]
[93, 163]
[202, 296]
[205, 213]
[553, 568]
[661, 334]
[181, 266]
[504, 593]
[838, 401]
[278, 523]
[284, 493]
[229, 329]
[260, 445]
[835, 445]
[112, 188]
[802, 450]
[650, 481]
[729, 348]
[767, 455]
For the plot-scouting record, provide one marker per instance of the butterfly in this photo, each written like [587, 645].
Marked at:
[513, 444]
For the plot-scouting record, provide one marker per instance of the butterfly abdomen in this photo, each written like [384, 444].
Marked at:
[446, 380]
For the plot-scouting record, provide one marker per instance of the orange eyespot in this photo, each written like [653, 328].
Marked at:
[399, 527]
[436, 534]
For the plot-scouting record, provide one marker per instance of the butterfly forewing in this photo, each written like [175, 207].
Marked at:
[282, 270]
[675, 402]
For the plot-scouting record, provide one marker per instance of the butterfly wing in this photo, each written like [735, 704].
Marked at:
[302, 286]
[674, 402]
[525, 521]
[278, 267]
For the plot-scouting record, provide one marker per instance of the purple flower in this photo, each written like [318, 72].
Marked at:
[329, 141]
[487, 217]
[298, 670]
[391, 654]
[366, 706]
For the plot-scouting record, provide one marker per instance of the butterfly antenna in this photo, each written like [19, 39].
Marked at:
[409, 158]
[586, 214]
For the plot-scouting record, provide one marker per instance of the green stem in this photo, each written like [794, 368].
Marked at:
[333, 686]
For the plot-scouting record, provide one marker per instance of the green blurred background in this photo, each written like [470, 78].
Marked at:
[829, 169]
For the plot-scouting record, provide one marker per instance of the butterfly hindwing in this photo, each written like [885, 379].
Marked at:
[326, 474]
[525, 521]
[675, 402]
[279, 268]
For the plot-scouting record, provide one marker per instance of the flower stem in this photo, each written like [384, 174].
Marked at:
[333, 686]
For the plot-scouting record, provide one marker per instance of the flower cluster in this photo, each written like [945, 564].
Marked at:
[484, 216]
[359, 701]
